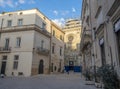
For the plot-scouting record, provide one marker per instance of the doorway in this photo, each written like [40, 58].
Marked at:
[103, 54]
[3, 67]
[41, 67]
[118, 44]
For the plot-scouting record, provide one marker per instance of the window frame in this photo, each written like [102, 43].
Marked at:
[53, 32]
[60, 51]
[20, 22]
[42, 44]
[9, 23]
[44, 26]
[18, 42]
[53, 49]
[15, 63]
[4, 57]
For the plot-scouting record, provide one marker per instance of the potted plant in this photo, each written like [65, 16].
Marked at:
[97, 79]
[88, 77]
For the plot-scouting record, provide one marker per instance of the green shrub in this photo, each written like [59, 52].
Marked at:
[88, 75]
[109, 77]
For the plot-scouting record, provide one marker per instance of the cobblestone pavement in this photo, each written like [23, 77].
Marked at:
[60, 81]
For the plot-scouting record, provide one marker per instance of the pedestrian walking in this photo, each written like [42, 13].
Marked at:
[67, 70]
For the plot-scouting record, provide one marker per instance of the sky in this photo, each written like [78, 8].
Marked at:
[56, 10]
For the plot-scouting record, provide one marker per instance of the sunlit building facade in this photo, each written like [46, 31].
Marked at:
[72, 31]
[103, 18]
[25, 43]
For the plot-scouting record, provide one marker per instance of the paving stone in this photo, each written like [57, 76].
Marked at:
[58, 81]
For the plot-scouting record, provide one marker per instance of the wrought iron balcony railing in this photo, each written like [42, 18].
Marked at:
[5, 49]
[42, 51]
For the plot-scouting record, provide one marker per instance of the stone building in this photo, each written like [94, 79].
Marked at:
[86, 37]
[104, 23]
[25, 43]
[57, 49]
[72, 31]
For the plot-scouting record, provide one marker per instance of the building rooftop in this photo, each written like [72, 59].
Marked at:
[72, 23]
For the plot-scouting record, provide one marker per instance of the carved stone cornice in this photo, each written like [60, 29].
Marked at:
[24, 28]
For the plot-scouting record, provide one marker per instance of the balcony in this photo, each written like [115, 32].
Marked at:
[42, 51]
[5, 49]
[85, 40]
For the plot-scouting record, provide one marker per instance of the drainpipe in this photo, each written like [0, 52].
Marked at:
[50, 49]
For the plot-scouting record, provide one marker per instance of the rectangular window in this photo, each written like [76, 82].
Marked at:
[53, 49]
[53, 33]
[7, 43]
[9, 24]
[16, 57]
[20, 22]
[4, 58]
[18, 42]
[61, 37]
[60, 51]
[42, 44]
[15, 65]
[44, 26]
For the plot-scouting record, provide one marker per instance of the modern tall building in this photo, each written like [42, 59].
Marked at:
[102, 18]
[25, 43]
[72, 30]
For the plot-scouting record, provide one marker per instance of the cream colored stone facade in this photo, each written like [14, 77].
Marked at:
[25, 43]
[72, 31]
[104, 23]
[86, 37]
[57, 49]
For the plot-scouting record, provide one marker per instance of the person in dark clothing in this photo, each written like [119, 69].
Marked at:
[67, 70]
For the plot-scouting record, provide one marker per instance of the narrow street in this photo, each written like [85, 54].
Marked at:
[60, 81]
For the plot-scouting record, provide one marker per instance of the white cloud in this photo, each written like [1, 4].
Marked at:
[16, 3]
[1, 1]
[2, 4]
[21, 1]
[60, 22]
[31, 2]
[12, 4]
[8, 3]
[64, 12]
[73, 10]
[55, 12]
